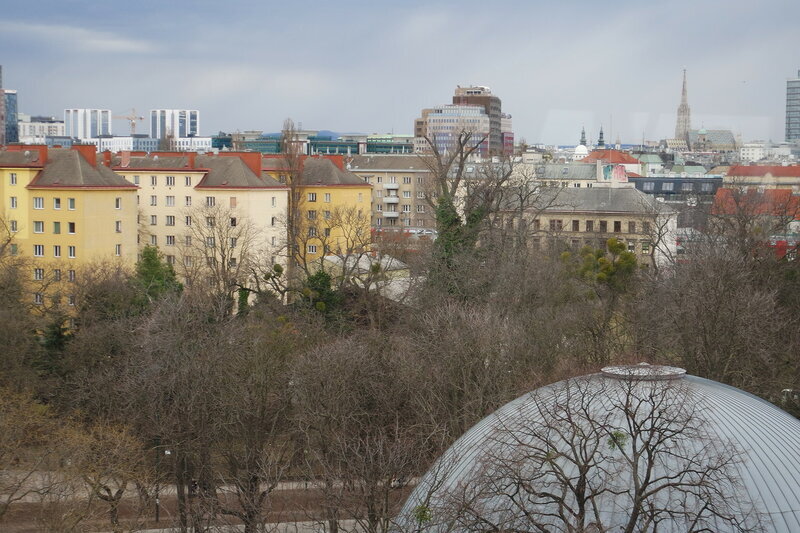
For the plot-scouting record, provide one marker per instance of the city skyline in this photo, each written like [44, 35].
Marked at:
[357, 67]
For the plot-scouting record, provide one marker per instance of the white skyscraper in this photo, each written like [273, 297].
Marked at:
[176, 123]
[87, 123]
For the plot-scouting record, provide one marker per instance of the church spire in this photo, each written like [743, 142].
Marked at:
[684, 122]
[600, 142]
[583, 137]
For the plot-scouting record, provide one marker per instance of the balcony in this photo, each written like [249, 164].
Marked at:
[391, 199]
[391, 186]
[391, 214]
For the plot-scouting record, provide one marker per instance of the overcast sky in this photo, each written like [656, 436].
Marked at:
[370, 66]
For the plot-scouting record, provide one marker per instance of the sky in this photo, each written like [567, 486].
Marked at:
[371, 66]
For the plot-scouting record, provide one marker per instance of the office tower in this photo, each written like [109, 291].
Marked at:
[793, 108]
[482, 96]
[87, 123]
[11, 126]
[176, 123]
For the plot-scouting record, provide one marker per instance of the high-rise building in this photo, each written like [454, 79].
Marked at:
[87, 123]
[793, 108]
[442, 126]
[176, 123]
[11, 126]
[2, 111]
[684, 122]
[482, 96]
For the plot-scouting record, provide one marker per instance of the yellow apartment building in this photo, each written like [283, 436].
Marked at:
[63, 211]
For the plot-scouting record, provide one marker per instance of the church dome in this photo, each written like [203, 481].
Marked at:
[580, 152]
[577, 454]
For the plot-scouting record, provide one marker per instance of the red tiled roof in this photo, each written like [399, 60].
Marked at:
[774, 202]
[777, 171]
[634, 175]
[610, 156]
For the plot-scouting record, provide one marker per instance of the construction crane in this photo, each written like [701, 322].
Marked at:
[131, 118]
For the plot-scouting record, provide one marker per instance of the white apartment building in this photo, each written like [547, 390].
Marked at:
[87, 123]
[176, 123]
[33, 130]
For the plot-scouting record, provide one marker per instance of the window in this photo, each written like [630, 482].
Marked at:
[153, 181]
[170, 240]
[211, 242]
[187, 240]
[211, 222]
[118, 250]
[234, 241]
[57, 250]
[419, 180]
[617, 226]
[233, 222]
[38, 226]
[379, 208]
[687, 187]
[328, 197]
[170, 259]
[187, 201]
[153, 220]
[13, 178]
[326, 214]
[71, 252]
[272, 221]
[632, 247]
[706, 187]
[13, 224]
[393, 179]
[379, 194]
[668, 186]
[71, 299]
[360, 197]
[576, 225]
[153, 199]
[13, 202]
[71, 204]
[420, 208]
[56, 203]
[312, 214]
[118, 203]
[590, 225]
[312, 197]
[645, 227]
[71, 275]
[38, 202]
[646, 248]
[211, 201]
[406, 179]
[57, 274]
[631, 227]
[274, 241]
[71, 227]
[603, 226]
[38, 274]
[187, 180]
[170, 201]
[38, 299]
[136, 180]
[406, 208]
[406, 194]
[312, 231]
[648, 186]
[327, 232]
[154, 240]
[380, 179]
[170, 220]
[56, 228]
[233, 202]
[312, 248]
[188, 220]
[274, 201]
[232, 262]
[170, 181]
[556, 225]
[118, 226]
[187, 260]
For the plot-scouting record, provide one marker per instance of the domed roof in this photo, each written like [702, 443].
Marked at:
[581, 150]
[695, 453]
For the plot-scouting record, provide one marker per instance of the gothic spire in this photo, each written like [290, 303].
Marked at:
[583, 137]
[684, 122]
[600, 142]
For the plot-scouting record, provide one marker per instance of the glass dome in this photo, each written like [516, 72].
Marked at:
[636, 448]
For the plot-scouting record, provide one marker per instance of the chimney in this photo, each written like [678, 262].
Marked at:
[192, 156]
[107, 158]
[125, 159]
[88, 152]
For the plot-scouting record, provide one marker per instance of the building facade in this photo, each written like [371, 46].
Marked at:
[34, 130]
[87, 123]
[793, 108]
[11, 126]
[442, 126]
[492, 106]
[177, 123]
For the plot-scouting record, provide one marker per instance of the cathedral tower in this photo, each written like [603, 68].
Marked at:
[684, 123]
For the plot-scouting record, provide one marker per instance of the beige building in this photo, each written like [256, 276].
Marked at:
[401, 190]
[577, 217]
[207, 210]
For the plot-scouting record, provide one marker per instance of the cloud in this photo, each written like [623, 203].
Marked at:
[80, 39]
